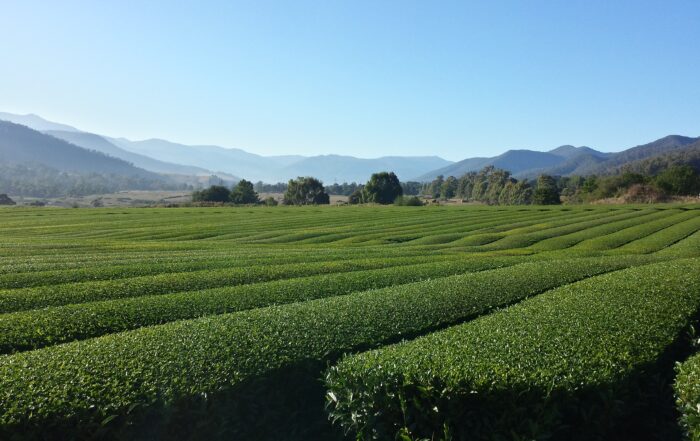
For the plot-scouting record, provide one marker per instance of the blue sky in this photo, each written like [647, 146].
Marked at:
[365, 78]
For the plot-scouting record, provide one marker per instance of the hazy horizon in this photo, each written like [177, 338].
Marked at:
[359, 79]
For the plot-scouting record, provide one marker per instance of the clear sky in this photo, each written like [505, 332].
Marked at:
[366, 78]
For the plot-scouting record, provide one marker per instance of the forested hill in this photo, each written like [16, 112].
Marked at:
[20, 144]
[569, 160]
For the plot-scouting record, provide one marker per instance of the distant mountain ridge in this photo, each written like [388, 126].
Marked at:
[164, 156]
[520, 162]
[566, 160]
[22, 145]
[35, 122]
[91, 141]
[159, 156]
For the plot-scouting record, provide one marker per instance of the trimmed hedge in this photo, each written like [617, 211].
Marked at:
[170, 380]
[559, 228]
[565, 365]
[602, 233]
[662, 239]
[33, 329]
[687, 390]
[22, 299]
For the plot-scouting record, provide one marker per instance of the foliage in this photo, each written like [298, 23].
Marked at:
[244, 193]
[343, 189]
[6, 200]
[36, 180]
[537, 370]
[411, 188]
[215, 193]
[547, 192]
[305, 191]
[687, 390]
[217, 323]
[129, 377]
[357, 197]
[408, 201]
[490, 185]
[382, 188]
[679, 180]
[49, 326]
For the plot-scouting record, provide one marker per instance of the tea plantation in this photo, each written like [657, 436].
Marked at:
[340, 323]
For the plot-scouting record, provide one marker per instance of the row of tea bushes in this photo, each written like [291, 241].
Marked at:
[566, 364]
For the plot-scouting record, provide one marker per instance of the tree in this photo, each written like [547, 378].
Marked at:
[5, 200]
[436, 186]
[244, 193]
[547, 192]
[215, 193]
[411, 188]
[382, 188]
[448, 190]
[679, 180]
[357, 196]
[305, 191]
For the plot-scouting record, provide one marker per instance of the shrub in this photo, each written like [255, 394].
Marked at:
[215, 193]
[48, 326]
[564, 365]
[174, 379]
[643, 194]
[408, 201]
[6, 200]
[687, 391]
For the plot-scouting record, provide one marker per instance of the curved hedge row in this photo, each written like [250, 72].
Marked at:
[156, 378]
[25, 330]
[579, 239]
[634, 232]
[151, 266]
[21, 299]
[564, 364]
[558, 229]
[662, 239]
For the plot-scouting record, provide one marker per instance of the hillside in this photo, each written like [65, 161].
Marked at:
[168, 157]
[688, 155]
[569, 160]
[36, 122]
[656, 148]
[20, 144]
[91, 141]
[518, 162]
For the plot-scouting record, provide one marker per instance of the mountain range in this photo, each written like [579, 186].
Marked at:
[32, 139]
[567, 160]
[166, 157]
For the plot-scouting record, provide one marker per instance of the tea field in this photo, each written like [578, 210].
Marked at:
[332, 323]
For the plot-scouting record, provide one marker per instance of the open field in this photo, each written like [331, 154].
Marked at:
[435, 322]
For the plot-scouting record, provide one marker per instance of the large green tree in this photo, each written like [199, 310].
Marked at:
[679, 180]
[448, 190]
[215, 193]
[382, 188]
[244, 193]
[547, 192]
[305, 191]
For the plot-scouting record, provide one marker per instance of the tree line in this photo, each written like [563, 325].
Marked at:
[36, 180]
[494, 186]
[489, 185]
